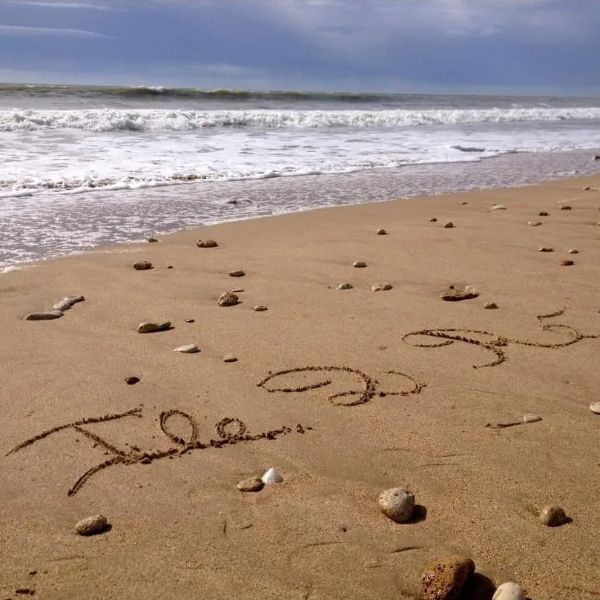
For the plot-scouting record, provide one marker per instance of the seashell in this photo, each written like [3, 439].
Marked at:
[595, 407]
[509, 591]
[359, 264]
[261, 308]
[529, 418]
[229, 358]
[534, 223]
[272, 476]
[545, 249]
[445, 579]
[92, 525]
[253, 484]
[553, 516]
[66, 302]
[238, 273]
[45, 315]
[449, 225]
[228, 299]
[143, 265]
[381, 232]
[187, 349]
[498, 207]
[206, 244]
[148, 327]
[381, 287]
[397, 504]
[344, 286]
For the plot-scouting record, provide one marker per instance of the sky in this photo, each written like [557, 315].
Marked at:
[445, 46]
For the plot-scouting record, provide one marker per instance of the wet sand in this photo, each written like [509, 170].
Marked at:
[416, 416]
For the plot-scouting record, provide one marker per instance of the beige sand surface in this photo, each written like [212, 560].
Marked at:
[180, 528]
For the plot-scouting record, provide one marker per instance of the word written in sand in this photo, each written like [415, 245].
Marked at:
[230, 431]
[497, 343]
[369, 387]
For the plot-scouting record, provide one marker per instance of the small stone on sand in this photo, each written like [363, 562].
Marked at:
[553, 516]
[509, 591]
[490, 305]
[542, 213]
[397, 504]
[45, 315]
[595, 407]
[534, 223]
[531, 418]
[187, 349]
[445, 579]
[238, 273]
[567, 263]
[189, 320]
[381, 232]
[449, 225]
[381, 287]
[566, 207]
[132, 380]
[67, 302]
[498, 207]
[151, 240]
[344, 286]
[253, 484]
[359, 264]
[228, 299]
[206, 244]
[229, 358]
[573, 251]
[545, 249]
[587, 188]
[261, 308]
[454, 295]
[433, 220]
[148, 327]
[143, 265]
[92, 525]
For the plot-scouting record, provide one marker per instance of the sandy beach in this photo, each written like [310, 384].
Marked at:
[377, 410]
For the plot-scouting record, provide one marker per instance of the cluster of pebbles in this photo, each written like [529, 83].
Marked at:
[58, 309]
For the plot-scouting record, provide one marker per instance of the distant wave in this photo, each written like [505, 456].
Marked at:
[188, 120]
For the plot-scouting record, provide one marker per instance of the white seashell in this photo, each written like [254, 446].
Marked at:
[498, 207]
[595, 407]
[509, 591]
[272, 476]
[529, 418]
[187, 349]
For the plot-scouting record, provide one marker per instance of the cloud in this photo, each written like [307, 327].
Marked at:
[20, 30]
[60, 4]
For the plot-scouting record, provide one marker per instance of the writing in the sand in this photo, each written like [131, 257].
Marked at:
[229, 431]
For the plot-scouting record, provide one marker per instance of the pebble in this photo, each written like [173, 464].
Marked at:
[490, 305]
[239, 273]
[433, 220]
[45, 315]
[132, 380]
[344, 286]
[92, 525]
[143, 265]
[359, 264]
[545, 249]
[553, 515]
[567, 263]
[381, 287]
[595, 407]
[381, 232]
[272, 476]
[534, 223]
[453, 295]
[445, 579]
[187, 349]
[573, 251]
[229, 358]
[449, 225]
[543, 213]
[587, 188]
[147, 327]
[67, 302]
[151, 240]
[253, 484]
[189, 320]
[261, 308]
[206, 244]
[397, 504]
[566, 207]
[530, 418]
[228, 299]
[237, 290]
[509, 591]
[498, 207]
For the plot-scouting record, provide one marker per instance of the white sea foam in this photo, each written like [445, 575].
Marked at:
[188, 120]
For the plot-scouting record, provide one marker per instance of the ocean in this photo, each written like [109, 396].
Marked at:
[84, 166]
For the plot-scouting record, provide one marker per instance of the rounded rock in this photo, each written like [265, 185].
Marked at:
[151, 240]
[445, 579]
[132, 380]
[543, 213]
[573, 251]
[45, 315]
[509, 591]
[566, 263]
[253, 484]
[433, 220]
[534, 223]
[238, 273]
[344, 286]
[229, 358]
[397, 504]
[498, 207]
[553, 515]
[272, 476]
[187, 349]
[381, 287]
[490, 305]
[449, 225]
[566, 207]
[228, 299]
[143, 265]
[92, 525]
[261, 308]
[595, 407]
[359, 264]
[381, 232]
[206, 244]
[148, 327]
[545, 249]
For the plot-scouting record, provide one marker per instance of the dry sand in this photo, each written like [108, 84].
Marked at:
[180, 528]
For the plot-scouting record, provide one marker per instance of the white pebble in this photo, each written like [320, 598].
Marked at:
[397, 503]
[272, 476]
[498, 207]
[187, 349]
[509, 591]
[595, 407]
[529, 418]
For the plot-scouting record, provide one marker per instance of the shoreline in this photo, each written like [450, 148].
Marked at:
[387, 403]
